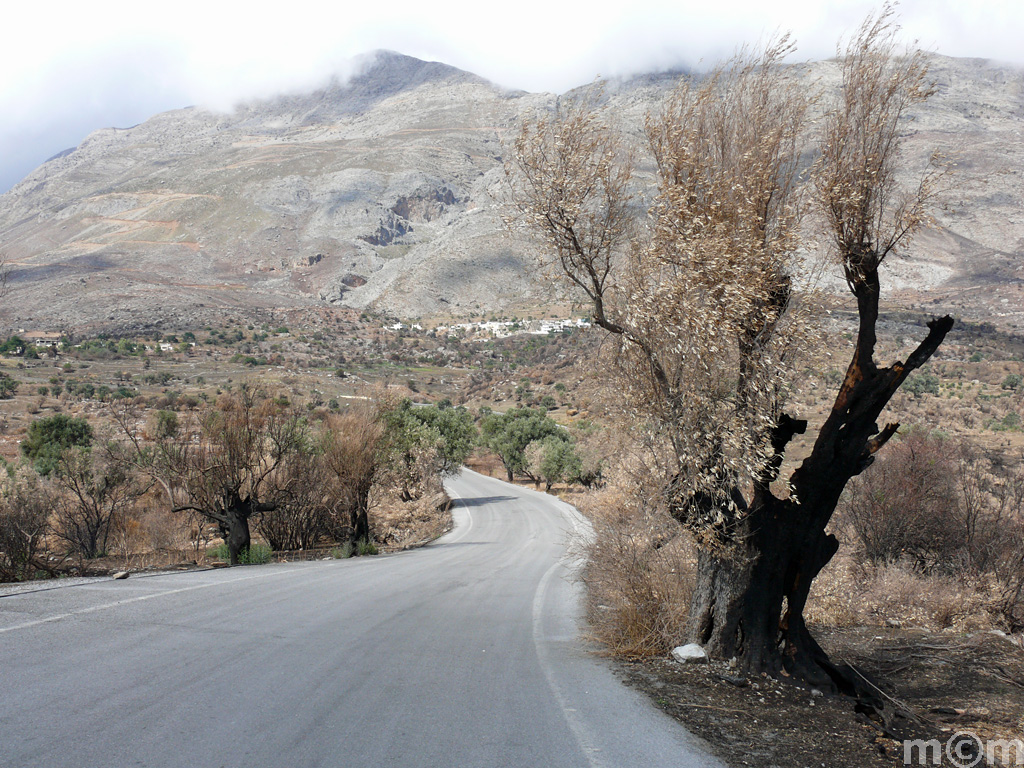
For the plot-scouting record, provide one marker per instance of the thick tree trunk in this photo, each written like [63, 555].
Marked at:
[748, 603]
[360, 516]
[751, 591]
[238, 537]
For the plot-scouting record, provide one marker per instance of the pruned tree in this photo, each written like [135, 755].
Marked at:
[229, 469]
[708, 323]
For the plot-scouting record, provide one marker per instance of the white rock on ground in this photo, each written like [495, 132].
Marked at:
[690, 654]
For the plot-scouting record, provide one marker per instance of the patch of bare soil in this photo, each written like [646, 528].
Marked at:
[947, 683]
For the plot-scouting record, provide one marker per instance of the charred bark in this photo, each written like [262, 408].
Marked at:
[749, 598]
[238, 537]
[753, 582]
[359, 514]
[232, 516]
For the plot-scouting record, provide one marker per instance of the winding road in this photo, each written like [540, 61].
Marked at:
[464, 653]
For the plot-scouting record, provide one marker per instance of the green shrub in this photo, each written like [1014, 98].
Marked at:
[343, 552]
[365, 547]
[921, 383]
[8, 386]
[257, 554]
[47, 438]
[165, 424]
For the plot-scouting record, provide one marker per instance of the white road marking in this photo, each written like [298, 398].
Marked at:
[579, 731]
[126, 601]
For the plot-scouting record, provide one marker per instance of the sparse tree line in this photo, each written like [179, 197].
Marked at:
[247, 461]
[251, 465]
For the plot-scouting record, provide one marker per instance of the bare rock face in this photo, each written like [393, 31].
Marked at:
[334, 196]
[384, 192]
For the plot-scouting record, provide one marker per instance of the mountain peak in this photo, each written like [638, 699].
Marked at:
[392, 65]
[378, 75]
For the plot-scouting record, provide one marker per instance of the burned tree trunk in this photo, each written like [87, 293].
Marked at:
[749, 604]
[753, 586]
[232, 515]
[237, 536]
[360, 513]
[703, 300]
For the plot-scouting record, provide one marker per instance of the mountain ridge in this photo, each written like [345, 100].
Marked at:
[382, 191]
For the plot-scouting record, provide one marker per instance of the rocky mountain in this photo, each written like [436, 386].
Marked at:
[383, 192]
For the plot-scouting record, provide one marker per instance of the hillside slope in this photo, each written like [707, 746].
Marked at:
[382, 192]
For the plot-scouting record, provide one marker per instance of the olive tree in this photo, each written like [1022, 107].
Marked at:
[708, 323]
[97, 488]
[25, 505]
[229, 467]
[510, 434]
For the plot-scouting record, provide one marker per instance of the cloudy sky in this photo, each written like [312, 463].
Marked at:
[67, 68]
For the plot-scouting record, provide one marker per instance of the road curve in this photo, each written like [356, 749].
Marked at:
[463, 653]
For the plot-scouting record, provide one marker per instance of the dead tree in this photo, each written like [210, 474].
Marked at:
[228, 469]
[352, 452]
[708, 322]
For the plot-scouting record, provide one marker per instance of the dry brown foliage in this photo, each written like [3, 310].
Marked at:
[852, 593]
[402, 524]
[640, 565]
[703, 310]
[639, 574]
[935, 535]
[25, 504]
[867, 213]
[701, 304]
[351, 452]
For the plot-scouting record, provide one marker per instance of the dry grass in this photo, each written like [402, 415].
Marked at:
[399, 525]
[849, 594]
[639, 576]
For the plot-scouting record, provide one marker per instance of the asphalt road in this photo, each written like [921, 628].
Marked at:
[464, 653]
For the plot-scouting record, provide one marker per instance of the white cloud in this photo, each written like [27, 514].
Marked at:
[69, 67]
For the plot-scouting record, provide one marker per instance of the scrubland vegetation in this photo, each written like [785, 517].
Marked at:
[513, 390]
[144, 451]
